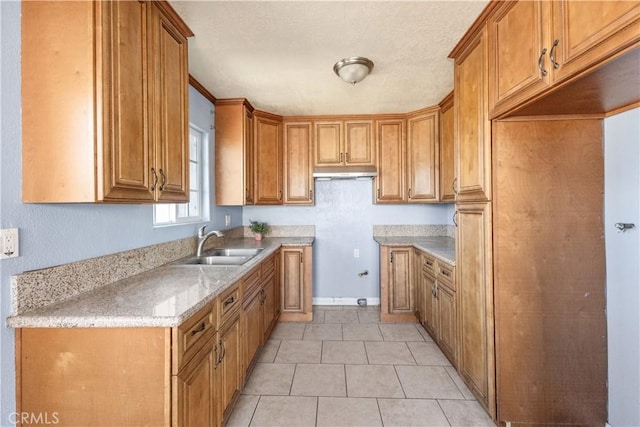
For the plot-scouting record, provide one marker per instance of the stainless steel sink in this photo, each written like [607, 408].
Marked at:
[229, 256]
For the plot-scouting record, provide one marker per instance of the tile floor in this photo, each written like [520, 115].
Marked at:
[348, 369]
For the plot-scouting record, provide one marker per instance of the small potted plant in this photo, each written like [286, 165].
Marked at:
[258, 229]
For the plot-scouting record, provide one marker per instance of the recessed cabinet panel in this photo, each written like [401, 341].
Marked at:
[268, 160]
[422, 158]
[328, 143]
[447, 164]
[298, 180]
[390, 183]
[358, 143]
[292, 298]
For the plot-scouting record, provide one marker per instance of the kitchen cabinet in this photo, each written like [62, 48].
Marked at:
[230, 365]
[270, 280]
[447, 312]
[427, 272]
[296, 284]
[396, 284]
[419, 287]
[234, 152]
[535, 45]
[108, 120]
[252, 317]
[391, 145]
[447, 141]
[268, 158]
[340, 142]
[472, 128]
[422, 156]
[474, 282]
[298, 178]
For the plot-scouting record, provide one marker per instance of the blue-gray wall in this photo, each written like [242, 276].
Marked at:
[344, 215]
[53, 234]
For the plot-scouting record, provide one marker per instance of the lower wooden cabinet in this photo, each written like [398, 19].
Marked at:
[396, 284]
[252, 328]
[296, 277]
[268, 305]
[230, 372]
[430, 304]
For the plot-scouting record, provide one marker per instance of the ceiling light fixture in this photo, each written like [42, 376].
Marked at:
[353, 69]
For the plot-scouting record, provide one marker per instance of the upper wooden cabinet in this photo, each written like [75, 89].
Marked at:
[339, 142]
[422, 156]
[268, 158]
[298, 180]
[535, 44]
[447, 166]
[234, 152]
[472, 128]
[108, 120]
[391, 143]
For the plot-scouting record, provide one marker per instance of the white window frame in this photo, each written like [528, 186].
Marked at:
[175, 216]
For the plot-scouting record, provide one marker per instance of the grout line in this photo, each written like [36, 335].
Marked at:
[379, 411]
[399, 381]
[293, 378]
[253, 414]
[317, 408]
[456, 384]
[346, 389]
[443, 412]
[366, 352]
[411, 353]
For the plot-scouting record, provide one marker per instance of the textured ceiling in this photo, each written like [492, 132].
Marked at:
[280, 54]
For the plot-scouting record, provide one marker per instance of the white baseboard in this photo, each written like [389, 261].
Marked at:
[343, 301]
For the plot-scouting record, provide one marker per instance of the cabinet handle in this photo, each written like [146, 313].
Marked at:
[409, 193]
[229, 301]
[155, 181]
[391, 257]
[444, 273]
[541, 60]
[164, 180]
[378, 193]
[341, 157]
[280, 195]
[455, 215]
[346, 157]
[454, 186]
[199, 329]
[223, 351]
[310, 194]
[552, 54]
[429, 263]
[215, 350]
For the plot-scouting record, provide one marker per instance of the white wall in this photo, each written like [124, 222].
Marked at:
[53, 234]
[344, 215]
[622, 204]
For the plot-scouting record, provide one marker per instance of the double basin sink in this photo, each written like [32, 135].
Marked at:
[228, 256]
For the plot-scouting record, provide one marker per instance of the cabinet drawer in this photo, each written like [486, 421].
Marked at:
[192, 334]
[446, 275]
[428, 263]
[228, 304]
[250, 285]
[268, 266]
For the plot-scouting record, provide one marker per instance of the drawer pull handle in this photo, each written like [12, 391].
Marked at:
[445, 273]
[429, 263]
[229, 301]
[199, 329]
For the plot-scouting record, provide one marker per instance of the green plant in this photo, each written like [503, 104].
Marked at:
[258, 227]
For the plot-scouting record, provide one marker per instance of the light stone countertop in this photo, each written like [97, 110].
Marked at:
[443, 248]
[162, 297]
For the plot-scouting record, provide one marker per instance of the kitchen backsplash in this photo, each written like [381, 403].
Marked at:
[414, 230]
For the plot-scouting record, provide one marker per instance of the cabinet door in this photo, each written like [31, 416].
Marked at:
[296, 277]
[474, 282]
[447, 166]
[447, 324]
[430, 305]
[590, 31]
[195, 391]
[359, 142]
[170, 99]
[422, 158]
[230, 367]
[268, 161]
[390, 182]
[126, 151]
[252, 329]
[401, 289]
[298, 179]
[327, 140]
[418, 287]
[472, 128]
[268, 308]
[519, 43]
[249, 190]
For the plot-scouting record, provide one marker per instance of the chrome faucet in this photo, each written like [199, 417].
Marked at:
[202, 238]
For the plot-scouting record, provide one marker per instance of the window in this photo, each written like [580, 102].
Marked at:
[196, 209]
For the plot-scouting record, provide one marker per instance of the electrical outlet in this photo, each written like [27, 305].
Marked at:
[356, 253]
[9, 243]
[227, 220]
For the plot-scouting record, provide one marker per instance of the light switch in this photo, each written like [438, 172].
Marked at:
[9, 243]
[356, 253]
[227, 220]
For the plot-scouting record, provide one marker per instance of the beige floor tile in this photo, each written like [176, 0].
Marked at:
[318, 316]
[345, 316]
[269, 350]
[462, 413]
[428, 353]
[243, 411]
[294, 351]
[460, 383]
[323, 331]
[411, 412]
[270, 378]
[427, 382]
[369, 316]
[373, 381]
[348, 412]
[400, 332]
[374, 308]
[424, 333]
[327, 307]
[353, 307]
[319, 380]
[288, 331]
[389, 353]
[369, 332]
[344, 352]
[295, 411]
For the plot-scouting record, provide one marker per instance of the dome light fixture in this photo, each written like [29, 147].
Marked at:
[353, 69]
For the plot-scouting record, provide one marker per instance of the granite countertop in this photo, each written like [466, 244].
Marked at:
[162, 297]
[443, 248]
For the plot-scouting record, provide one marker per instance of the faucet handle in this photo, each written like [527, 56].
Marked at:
[201, 231]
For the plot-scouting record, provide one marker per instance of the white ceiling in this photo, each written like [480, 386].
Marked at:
[280, 54]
